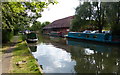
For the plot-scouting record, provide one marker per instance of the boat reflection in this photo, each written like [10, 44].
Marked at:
[90, 45]
[60, 55]
[94, 58]
[33, 48]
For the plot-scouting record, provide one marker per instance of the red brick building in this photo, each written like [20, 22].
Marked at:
[61, 25]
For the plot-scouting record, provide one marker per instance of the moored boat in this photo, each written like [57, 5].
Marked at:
[100, 37]
[31, 37]
[59, 34]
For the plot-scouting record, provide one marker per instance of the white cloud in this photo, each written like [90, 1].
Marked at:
[63, 9]
[53, 59]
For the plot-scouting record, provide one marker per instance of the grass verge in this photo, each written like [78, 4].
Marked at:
[23, 61]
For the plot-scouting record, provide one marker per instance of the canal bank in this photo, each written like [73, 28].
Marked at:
[21, 59]
[40, 69]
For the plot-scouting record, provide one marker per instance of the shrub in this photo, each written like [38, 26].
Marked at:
[6, 35]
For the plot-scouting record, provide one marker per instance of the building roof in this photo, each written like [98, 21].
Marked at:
[61, 23]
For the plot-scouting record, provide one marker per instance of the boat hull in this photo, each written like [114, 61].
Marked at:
[32, 40]
[99, 37]
[56, 34]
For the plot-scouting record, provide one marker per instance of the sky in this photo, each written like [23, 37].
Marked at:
[61, 10]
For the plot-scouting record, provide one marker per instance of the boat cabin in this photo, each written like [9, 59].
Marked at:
[31, 37]
[101, 37]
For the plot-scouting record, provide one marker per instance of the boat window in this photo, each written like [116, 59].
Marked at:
[87, 36]
[79, 35]
[94, 36]
[106, 37]
[72, 34]
[75, 34]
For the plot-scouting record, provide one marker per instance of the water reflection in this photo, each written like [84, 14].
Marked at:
[93, 58]
[58, 55]
[54, 60]
[33, 48]
[97, 47]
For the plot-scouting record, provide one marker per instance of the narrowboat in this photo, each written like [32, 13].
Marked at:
[31, 37]
[99, 37]
[59, 34]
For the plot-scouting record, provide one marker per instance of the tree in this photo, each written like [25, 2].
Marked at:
[38, 26]
[113, 16]
[82, 16]
[97, 15]
[45, 23]
[15, 14]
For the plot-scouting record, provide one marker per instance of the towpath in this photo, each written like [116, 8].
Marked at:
[7, 55]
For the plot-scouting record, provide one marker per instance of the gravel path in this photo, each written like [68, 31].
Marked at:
[6, 58]
[7, 55]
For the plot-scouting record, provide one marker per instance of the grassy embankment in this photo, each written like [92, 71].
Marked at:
[22, 60]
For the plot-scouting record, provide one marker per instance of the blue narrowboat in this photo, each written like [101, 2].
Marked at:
[100, 37]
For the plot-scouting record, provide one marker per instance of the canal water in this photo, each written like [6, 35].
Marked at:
[61, 55]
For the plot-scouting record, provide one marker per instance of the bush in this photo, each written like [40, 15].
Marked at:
[115, 29]
[7, 34]
[23, 37]
[16, 31]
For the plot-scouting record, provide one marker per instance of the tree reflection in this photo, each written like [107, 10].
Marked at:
[89, 57]
[98, 58]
